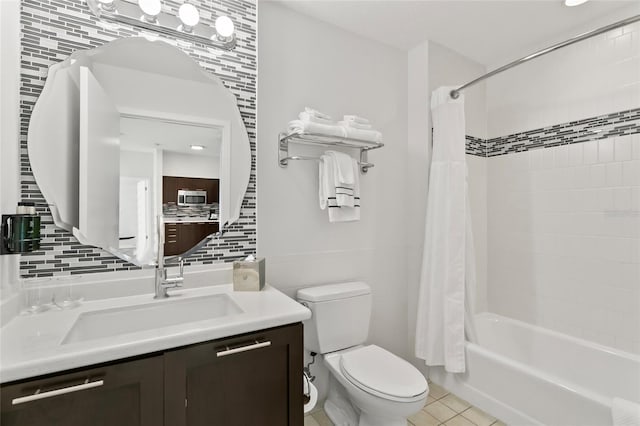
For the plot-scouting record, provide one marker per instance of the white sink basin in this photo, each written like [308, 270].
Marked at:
[132, 319]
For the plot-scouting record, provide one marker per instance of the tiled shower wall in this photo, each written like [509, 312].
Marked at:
[563, 185]
[563, 226]
[564, 238]
[50, 32]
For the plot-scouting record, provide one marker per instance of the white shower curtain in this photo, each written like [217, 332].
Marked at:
[447, 281]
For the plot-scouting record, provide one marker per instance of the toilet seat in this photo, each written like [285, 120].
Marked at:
[383, 374]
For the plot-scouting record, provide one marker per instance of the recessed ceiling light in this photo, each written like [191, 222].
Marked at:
[572, 3]
[197, 147]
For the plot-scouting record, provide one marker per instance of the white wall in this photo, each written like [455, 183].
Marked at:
[9, 129]
[449, 68]
[190, 165]
[304, 62]
[594, 77]
[563, 225]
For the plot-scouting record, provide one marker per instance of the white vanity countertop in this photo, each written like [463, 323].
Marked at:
[31, 345]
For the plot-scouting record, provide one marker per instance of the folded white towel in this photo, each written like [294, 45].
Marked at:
[625, 413]
[356, 119]
[327, 192]
[364, 135]
[305, 116]
[355, 125]
[317, 113]
[299, 126]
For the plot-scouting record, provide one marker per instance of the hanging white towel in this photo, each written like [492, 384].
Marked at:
[343, 177]
[344, 172]
[447, 264]
[625, 413]
[327, 192]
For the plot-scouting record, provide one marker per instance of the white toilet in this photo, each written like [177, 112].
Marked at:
[369, 385]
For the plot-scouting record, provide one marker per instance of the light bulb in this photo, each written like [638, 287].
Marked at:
[224, 26]
[572, 3]
[197, 147]
[151, 8]
[189, 16]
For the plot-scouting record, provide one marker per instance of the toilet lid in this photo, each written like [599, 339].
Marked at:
[378, 371]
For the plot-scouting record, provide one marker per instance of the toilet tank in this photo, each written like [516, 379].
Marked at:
[340, 316]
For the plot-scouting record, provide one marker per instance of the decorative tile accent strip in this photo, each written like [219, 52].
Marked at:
[51, 31]
[601, 127]
[475, 146]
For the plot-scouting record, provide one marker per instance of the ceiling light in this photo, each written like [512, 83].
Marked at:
[572, 3]
[150, 8]
[224, 27]
[197, 147]
[189, 16]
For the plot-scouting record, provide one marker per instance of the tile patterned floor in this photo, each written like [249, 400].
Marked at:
[442, 408]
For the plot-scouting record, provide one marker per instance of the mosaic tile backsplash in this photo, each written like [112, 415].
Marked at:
[612, 125]
[50, 32]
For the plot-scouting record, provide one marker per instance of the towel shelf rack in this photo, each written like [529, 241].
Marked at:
[284, 139]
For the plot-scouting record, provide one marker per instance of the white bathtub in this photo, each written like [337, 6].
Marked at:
[524, 374]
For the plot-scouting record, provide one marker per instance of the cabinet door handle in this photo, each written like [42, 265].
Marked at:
[36, 396]
[251, 347]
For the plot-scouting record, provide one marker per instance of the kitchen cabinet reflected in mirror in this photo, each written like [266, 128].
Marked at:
[171, 169]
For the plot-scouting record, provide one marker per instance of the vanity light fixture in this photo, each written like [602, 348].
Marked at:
[572, 3]
[189, 15]
[185, 24]
[224, 28]
[197, 147]
[150, 9]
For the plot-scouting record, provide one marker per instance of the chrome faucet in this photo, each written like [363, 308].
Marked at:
[163, 283]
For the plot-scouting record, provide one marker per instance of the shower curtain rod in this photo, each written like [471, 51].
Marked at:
[456, 92]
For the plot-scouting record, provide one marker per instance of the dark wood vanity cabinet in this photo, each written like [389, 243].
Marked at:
[247, 380]
[252, 379]
[123, 394]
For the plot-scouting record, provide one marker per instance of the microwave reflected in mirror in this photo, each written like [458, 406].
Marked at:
[187, 198]
[161, 173]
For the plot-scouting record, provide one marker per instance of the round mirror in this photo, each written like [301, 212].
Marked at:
[138, 150]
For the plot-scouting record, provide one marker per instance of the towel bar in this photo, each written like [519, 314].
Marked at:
[284, 160]
[323, 140]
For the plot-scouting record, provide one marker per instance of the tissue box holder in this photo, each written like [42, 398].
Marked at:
[248, 275]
